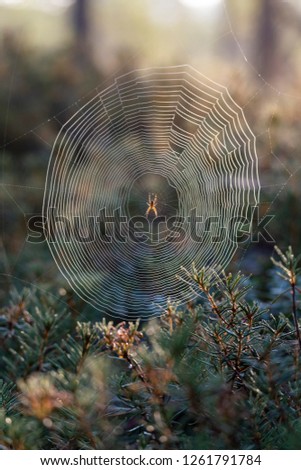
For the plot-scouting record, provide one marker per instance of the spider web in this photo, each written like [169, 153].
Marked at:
[165, 131]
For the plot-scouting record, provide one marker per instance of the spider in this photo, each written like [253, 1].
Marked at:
[152, 204]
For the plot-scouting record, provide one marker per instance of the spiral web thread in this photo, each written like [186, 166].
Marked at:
[166, 132]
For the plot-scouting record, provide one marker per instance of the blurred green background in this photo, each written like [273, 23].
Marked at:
[55, 55]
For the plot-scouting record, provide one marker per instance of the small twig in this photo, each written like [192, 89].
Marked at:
[289, 271]
[294, 308]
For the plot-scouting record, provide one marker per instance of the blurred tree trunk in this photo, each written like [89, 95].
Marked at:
[267, 39]
[81, 28]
